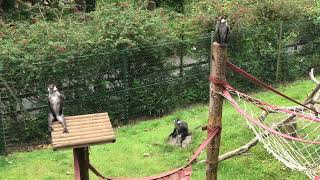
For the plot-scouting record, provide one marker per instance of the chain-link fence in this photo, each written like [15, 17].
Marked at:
[139, 82]
[128, 83]
[280, 52]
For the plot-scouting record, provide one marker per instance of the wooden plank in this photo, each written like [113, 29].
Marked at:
[62, 138]
[83, 133]
[73, 129]
[86, 116]
[84, 130]
[97, 119]
[87, 142]
[84, 122]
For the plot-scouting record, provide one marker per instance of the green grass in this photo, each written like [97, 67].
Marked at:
[126, 156]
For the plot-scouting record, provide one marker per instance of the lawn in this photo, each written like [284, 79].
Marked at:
[141, 148]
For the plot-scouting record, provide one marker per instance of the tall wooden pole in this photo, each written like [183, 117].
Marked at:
[218, 64]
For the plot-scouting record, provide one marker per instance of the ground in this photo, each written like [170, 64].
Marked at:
[141, 148]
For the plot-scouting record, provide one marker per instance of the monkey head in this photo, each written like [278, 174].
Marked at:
[52, 88]
[177, 123]
[222, 19]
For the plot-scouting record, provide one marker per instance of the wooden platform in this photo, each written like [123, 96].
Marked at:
[84, 130]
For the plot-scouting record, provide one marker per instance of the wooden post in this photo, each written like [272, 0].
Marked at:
[218, 65]
[81, 163]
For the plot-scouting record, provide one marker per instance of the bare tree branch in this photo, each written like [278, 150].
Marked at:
[311, 74]
[239, 151]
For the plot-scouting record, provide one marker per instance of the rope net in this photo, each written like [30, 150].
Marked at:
[291, 135]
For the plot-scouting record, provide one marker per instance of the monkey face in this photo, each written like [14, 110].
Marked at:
[177, 123]
[221, 19]
[52, 88]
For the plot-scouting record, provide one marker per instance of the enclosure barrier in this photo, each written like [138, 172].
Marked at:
[287, 145]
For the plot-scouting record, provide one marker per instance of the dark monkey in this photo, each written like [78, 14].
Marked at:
[55, 102]
[181, 129]
[222, 31]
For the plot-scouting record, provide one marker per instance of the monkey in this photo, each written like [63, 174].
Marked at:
[55, 102]
[181, 130]
[222, 31]
[80, 5]
[151, 5]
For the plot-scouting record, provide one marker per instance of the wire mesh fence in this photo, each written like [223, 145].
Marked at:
[127, 83]
[139, 82]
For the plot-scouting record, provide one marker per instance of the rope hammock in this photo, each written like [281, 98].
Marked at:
[291, 135]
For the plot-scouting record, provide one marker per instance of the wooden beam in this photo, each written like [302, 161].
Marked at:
[218, 65]
[81, 163]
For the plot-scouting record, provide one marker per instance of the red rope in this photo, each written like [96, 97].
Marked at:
[183, 173]
[264, 85]
[267, 106]
[211, 135]
[220, 82]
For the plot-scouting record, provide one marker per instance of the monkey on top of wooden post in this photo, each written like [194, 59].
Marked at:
[222, 31]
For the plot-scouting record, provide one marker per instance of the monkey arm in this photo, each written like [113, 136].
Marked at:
[228, 34]
[62, 96]
[217, 34]
[174, 133]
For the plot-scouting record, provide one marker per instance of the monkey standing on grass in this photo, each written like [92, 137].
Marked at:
[55, 102]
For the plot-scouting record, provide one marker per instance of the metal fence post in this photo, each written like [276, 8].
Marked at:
[211, 53]
[2, 131]
[126, 83]
[279, 51]
[181, 49]
[180, 81]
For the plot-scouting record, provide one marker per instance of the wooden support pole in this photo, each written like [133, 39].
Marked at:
[218, 65]
[81, 163]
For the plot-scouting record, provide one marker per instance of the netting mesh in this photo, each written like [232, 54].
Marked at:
[290, 134]
[142, 81]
